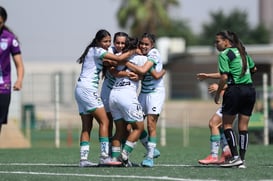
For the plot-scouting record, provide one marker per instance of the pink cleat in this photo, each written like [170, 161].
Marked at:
[209, 160]
[225, 156]
[108, 161]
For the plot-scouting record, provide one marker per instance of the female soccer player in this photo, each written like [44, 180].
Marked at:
[126, 109]
[217, 136]
[119, 41]
[235, 67]
[88, 99]
[9, 46]
[152, 93]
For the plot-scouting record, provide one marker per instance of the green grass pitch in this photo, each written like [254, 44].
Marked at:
[177, 162]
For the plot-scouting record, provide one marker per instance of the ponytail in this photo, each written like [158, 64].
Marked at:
[99, 36]
[235, 41]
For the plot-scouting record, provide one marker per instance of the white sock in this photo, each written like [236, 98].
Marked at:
[84, 151]
[151, 149]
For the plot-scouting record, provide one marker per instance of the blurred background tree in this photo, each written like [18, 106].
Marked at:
[153, 16]
[144, 15]
[235, 21]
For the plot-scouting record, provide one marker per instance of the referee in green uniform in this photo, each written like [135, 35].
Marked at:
[235, 67]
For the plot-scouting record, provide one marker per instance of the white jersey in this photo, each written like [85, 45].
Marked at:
[149, 84]
[91, 68]
[86, 90]
[152, 94]
[109, 79]
[126, 82]
[108, 83]
[123, 101]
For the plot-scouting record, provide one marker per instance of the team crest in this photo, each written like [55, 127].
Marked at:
[3, 45]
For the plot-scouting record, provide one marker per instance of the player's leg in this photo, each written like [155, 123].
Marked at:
[152, 140]
[87, 124]
[101, 117]
[119, 136]
[137, 129]
[231, 139]
[214, 124]
[243, 137]
[4, 109]
[226, 154]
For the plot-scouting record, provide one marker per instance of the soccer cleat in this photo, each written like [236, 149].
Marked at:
[147, 162]
[156, 153]
[125, 163]
[232, 162]
[243, 166]
[86, 163]
[225, 156]
[209, 160]
[107, 161]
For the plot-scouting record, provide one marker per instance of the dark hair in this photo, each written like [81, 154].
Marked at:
[131, 43]
[4, 15]
[119, 34]
[150, 36]
[122, 34]
[99, 36]
[236, 42]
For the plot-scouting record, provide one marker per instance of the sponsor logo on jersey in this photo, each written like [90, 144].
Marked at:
[15, 43]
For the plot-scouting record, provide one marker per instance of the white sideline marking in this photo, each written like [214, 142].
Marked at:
[76, 165]
[91, 175]
[105, 176]
[39, 164]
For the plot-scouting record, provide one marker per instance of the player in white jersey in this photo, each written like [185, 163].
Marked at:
[119, 42]
[152, 93]
[217, 136]
[126, 109]
[86, 94]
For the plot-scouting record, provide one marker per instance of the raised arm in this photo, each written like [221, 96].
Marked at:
[119, 58]
[203, 76]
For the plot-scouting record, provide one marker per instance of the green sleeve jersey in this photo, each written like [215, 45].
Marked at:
[230, 63]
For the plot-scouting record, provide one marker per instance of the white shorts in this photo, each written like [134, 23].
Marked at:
[152, 103]
[87, 99]
[219, 112]
[124, 105]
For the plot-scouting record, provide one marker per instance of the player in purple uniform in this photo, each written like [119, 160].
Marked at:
[9, 46]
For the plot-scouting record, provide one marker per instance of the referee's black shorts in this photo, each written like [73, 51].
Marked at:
[4, 108]
[239, 99]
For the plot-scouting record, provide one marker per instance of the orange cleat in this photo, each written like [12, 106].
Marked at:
[225, 156]
[209, 160]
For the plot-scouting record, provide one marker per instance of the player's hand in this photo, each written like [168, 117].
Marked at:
[138, 51]
[133, 76]
[212, 88]
[17, 85]
[201, 76]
